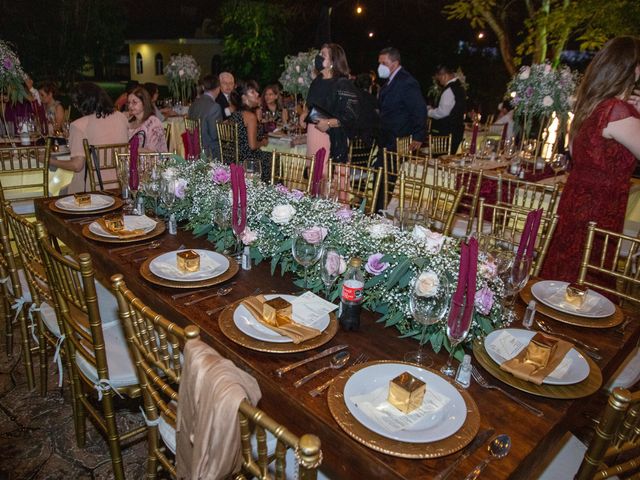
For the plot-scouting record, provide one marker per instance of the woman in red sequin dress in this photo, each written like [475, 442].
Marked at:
[605, 143]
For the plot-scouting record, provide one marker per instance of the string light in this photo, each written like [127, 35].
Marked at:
[359, 10]
[370, 34]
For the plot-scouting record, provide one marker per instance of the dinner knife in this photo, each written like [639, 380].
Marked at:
[322, 354]
[477, 442]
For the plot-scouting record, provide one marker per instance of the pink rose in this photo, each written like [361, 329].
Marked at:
[484, 300]
[315, 235]
[248, 236]
[344, 214]
[374, 264]
[335, 264]
[221, 176]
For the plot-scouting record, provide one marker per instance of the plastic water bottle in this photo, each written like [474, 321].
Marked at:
[352, 296]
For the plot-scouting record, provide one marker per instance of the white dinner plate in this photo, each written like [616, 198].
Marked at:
[212, 264]
[442, 424]
[98, 202]
[131, 222]
[551, 293]
[247, 323]
[578, 369]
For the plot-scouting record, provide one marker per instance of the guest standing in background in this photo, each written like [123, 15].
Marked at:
[100, 124]
[144, 123]
[227, 84]
[448, 117]
[54, 110]
[403, 111]
[605, 143]
[271, 108]
[505, 115]
[206, 109]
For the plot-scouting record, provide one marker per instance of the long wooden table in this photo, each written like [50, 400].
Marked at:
[533, 438]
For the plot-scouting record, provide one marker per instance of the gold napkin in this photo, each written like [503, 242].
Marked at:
[120, 233]
[538, 359]
[282, 325]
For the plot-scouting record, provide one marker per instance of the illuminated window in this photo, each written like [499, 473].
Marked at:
[138, 63]
[159, 64]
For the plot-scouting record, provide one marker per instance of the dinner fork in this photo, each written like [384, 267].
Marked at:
[485, 384]
[318, 390]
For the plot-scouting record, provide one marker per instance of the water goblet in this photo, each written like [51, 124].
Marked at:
[515, 278]
[558, 163]
[305, 253]
[168, 194]
[329, 269]
[457, 330]
[427, 308]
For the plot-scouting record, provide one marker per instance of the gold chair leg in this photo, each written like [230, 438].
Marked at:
[152, 460]
[8, 328]
[112, 435]
[78, 410]
[42, 350]
[26, 350]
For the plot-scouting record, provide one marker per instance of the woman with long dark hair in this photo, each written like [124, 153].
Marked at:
[271, 109]
[144, 123]
[100, 124]
[605, 143]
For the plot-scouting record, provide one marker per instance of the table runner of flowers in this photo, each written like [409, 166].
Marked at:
[392, 258]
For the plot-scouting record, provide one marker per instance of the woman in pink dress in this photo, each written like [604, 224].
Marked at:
[144, 123]
[605, 143]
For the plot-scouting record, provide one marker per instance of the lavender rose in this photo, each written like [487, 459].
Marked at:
[221, 176]
[344, 214]
[296, 194]
[484, 300]
[281, 189]
[315, 235]
[375, 266]
[180, 188]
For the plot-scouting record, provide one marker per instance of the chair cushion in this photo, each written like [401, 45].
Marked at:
[168, 434]
[108, 305]
[47, 312]
[628, 374]
[122, 372]
[23, 207]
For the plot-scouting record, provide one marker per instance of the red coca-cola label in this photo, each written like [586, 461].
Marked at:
[352, 291]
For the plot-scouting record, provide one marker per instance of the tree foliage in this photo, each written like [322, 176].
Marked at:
[255, 38]
[546, 27]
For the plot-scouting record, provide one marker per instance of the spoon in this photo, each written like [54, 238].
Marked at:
[592, 351]
[221, 292]
[498, 448]
[339, 360]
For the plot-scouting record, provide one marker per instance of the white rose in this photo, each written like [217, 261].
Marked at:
[300, 80]
[419, 234]
[524, 74]
[547, 69]
[298, 68]
[547, 101]
[181, 72]
[427, 284]
[169, 173]
[434, 241]
[282, 214]
[379, 230]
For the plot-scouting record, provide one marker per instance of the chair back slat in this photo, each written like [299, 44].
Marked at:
[24, 172]
[353, 184]
[360, 153]
[527, 195]
[417, 169]
[106, 158]
[470, 180]
[439, 145]
[403, 145]
[290, 169]
[228, 141]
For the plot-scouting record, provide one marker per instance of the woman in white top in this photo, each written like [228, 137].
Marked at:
[100, 124]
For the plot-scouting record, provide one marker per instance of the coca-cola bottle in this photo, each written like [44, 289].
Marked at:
[352, 296]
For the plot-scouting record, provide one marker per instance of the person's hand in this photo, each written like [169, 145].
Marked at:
[415, 145]
[634, 99]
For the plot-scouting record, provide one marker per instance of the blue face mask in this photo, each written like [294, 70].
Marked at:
[383, 71]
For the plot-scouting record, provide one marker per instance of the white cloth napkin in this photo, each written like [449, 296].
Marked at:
[507, 346]
[375, 406]
[558, 299]
[131, 222]
[170, 269]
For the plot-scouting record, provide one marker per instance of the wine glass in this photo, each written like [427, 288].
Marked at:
[558, 163]
[252, 169]
[427, 309]
[457, 331]
[329, 269]
[409, 217]
[151, 183]
[168, 194]
[305, 253]
[515, 278]
[122, 171]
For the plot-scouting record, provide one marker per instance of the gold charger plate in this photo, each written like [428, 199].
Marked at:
[158, 230]
[233, 333]
[115, 206]
[146, 273]
[362, 434]
[605, 322]
[589, 385]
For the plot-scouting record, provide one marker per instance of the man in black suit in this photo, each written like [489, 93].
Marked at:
[448, 118]
[403, 111]
[227, 84]
[205, 109]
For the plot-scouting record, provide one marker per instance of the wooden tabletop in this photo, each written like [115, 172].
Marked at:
[344, 458]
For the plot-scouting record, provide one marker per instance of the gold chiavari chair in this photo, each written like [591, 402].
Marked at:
[394, 163]
[505, 223]
[353, 184]
[97, 354]
[429, 125]
[289, 170]
[157, 347]
[24, 173]
[228, 141]
[527, 195]
[38, 298]
[454, 177]
[193, 125]
[603, 256]
[12, 296]
[101, 164]
[439, 145]
[489, 121]
[434, 204]
[167, 135]
[360, 153]
[403, 145]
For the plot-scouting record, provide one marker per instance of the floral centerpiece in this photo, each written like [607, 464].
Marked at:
[11, 78]
[393, 258]
[183, 73]
[297, 75]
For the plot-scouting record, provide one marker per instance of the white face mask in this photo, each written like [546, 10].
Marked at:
[383, 71]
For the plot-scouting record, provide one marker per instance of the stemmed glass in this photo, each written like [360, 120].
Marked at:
[251, 169]
[123, 177]
[151, 183]
[305, 253]
[237, 231]
[222, 216]
[168, 194]
[329, 269]
[457, 331]
[515, 278]
[558, 163]
[427, 309]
